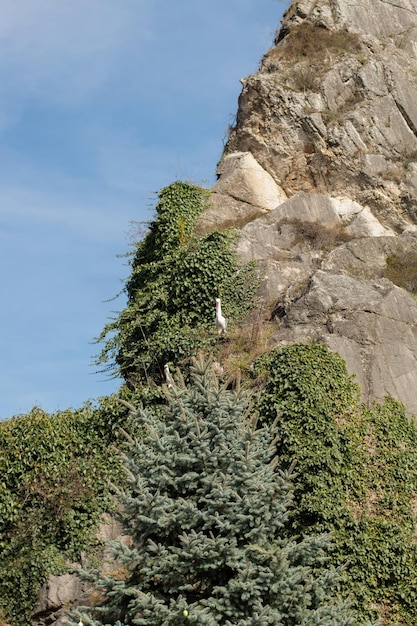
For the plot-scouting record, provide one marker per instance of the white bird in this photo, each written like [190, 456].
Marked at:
[217, 369]
[220, 320]
[168, 376]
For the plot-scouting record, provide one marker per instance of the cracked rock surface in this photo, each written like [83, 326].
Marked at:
[320, 177]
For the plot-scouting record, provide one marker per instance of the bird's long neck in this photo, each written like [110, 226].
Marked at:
[218, 308]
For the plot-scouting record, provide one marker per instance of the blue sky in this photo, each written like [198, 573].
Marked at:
[102, 103]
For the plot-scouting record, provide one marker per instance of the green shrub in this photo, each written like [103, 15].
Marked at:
[176, 276]
[357, 474]
[54, 472]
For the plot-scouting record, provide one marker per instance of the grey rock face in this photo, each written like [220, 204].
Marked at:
[394, 16]
[370, 323]
[331, 117]
[326, 283]
[243, 192]
[332, 109]
[62, 593]
[57, 594]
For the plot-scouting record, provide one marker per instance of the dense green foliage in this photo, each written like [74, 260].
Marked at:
[55, 468]
[54, 472]
[176, 276]
[382, 541]
[207, 514]
[357, 474]
[356, 465]
[308, 388]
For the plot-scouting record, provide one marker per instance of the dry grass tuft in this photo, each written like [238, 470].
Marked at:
[401, 269]
[313, 43]
[319, 236]
[313, 48]
[245, 343]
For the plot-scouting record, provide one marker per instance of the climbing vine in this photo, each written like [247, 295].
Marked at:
[56, 468]
[55, 471]
[357, 474]
[176, 276]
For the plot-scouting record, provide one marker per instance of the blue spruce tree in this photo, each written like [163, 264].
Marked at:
[207, 515]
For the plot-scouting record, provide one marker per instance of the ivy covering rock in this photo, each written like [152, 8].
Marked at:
[55, 472]
[176, 276]
[357, 474]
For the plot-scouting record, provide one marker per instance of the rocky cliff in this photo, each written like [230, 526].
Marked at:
[320, 176]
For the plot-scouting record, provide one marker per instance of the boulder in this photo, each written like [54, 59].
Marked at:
[62, 593]
[244, 191]
[241, 177]
[370, 323]
[58, 594]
